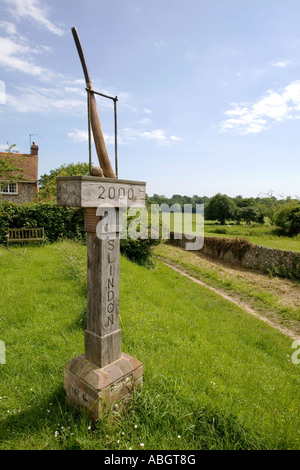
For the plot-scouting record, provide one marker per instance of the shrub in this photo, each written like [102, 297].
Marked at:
[6, 212]
[288, 218]
[58, 221]
[138, 251]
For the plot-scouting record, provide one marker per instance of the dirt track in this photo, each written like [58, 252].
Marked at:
[286, 291]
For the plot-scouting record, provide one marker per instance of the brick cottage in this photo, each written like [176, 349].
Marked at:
[23, 190]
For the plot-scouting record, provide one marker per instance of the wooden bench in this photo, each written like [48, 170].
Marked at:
[23, 235]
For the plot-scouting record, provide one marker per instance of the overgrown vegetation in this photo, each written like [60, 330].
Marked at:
[237, 246]
[283, 271]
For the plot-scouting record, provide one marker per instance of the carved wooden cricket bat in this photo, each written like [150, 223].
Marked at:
[100, 145]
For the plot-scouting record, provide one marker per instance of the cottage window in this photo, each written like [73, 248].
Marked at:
[9, 188]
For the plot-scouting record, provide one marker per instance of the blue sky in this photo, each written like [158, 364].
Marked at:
[208, 90]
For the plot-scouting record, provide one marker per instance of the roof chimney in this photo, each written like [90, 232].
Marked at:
[34, 149]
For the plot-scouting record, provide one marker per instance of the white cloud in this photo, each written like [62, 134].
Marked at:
[45, 100]
[127, 135]
[75, 90]
[110, 139]
[65, 99]
[78, 135]
[145, 121]
[123, 95]
[282, 64]
[3, 147]
[275, 106]
[79, 81]
[14, 55]
[156, 134]
[9, 27]
[292, 93]
[175, 138]
[159, 136]
[2, 92]
[82, 136]
[33, 10]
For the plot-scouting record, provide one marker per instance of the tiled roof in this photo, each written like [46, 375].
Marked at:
[27, 162]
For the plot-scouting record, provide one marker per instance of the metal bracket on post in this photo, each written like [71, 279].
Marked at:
[115, 99]
[89, 130]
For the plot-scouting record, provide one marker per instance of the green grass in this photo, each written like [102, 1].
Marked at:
[253, 292]
[259, 234]
[214, 377]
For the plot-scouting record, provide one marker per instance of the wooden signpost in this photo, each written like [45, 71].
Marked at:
[103, 376]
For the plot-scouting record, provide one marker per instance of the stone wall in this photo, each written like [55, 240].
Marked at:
[26, 193]
[239, 251]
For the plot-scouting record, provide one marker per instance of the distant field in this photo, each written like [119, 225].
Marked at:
[259, 234]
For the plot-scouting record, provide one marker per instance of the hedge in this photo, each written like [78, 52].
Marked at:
[63, 222]
[59, 222]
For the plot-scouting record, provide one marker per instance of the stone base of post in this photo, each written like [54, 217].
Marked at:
[95, 390]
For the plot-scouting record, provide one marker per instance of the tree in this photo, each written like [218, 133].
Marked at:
[220, 207]
[288, 218]
[8, 170]
[245, 202]
[268, 205]
[47, 190]
[249, 214]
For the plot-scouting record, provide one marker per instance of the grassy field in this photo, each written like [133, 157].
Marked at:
[275, 298]
[259, 234]
[214, 376]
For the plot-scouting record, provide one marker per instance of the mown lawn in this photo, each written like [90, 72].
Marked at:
[214, 376]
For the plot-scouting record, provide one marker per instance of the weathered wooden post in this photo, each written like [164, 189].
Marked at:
[103, 375]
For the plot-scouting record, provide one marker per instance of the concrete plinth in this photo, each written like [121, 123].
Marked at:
[95, 389]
